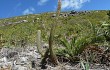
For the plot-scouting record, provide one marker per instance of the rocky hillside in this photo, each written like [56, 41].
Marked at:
[14, 30]
[81, 41]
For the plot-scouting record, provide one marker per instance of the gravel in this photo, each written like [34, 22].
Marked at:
[29, 59]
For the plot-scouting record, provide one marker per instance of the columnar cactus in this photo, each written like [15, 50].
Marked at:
[39, 47]
[1, 40]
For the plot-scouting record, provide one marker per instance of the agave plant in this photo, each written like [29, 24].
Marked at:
[74, 47]
[69, 46]
[107, 31]
[97, 33]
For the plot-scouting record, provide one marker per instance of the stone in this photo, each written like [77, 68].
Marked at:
[19, 67]
[11, 54]
[4, 59]
[54, 15]
[45, 45]
[33, 64]
[24, 59]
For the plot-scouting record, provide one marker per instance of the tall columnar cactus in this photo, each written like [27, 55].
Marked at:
[39, 47]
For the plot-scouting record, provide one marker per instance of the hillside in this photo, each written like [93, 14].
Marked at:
[25, 27]
[76, 39]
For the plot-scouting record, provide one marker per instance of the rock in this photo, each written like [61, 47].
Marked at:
[4, 59]
[73, 12]
[24, 21]
[24, 59]
[6, 66]
[38, 18]
[33, 64]
[54, 15]
[8, 23]
[19, 67]
[21, 21]
[45, 45]
[34, 55]
[11, 54]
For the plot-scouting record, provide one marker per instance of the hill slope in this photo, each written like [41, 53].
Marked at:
[25, 27]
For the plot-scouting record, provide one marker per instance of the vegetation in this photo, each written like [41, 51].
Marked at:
[108, 14]
[52, 55]
[68, 25]
[71, 34]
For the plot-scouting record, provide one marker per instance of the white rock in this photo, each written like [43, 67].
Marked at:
[19, 67]
[22, 68]
[24, 59]
[45, 45]
[37, 18]
[4, 59]
[24, 20]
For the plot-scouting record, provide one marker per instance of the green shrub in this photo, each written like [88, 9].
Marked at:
[73, 48]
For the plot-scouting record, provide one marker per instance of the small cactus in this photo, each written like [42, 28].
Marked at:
[1, 40]
[39, 47]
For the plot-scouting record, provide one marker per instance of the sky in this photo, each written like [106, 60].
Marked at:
[12, 8]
